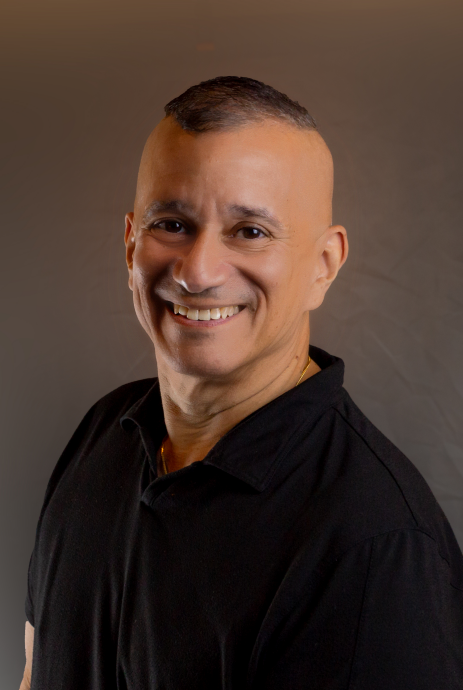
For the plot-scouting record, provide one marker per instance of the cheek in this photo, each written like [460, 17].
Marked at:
[144, 274]
[146, 267]
[141, 278]
[288, 287]
[277, 277]
[140, 302]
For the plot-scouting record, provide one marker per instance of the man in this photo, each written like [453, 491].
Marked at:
[238, 522]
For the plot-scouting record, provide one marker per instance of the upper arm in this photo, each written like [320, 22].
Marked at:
[385, 615]
[411, 628]
[29, 644]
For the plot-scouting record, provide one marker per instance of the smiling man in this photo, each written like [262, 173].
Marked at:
[238, 522]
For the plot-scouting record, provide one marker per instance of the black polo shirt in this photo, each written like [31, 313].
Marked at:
[305, 552]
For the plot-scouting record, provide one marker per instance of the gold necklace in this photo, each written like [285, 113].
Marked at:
[305, 369]
[163, 457]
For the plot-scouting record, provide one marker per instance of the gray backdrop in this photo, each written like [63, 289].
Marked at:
[84, 82]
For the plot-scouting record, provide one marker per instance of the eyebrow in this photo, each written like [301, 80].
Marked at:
[161, 206]
[177, 205]
[249, 212]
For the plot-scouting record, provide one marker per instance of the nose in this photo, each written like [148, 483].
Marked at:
[202, 266]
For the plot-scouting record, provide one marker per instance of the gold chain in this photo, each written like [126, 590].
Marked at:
[305, 369]
[163, 457]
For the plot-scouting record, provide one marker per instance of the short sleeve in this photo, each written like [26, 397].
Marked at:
[29, 605]
[411, 628]
[384, 616]
[38, 558]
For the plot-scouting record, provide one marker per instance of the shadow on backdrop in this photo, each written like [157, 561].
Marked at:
[84, 85]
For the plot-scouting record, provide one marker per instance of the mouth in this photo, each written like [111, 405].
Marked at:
[217, 314]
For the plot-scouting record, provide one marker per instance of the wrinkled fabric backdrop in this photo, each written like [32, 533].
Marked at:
[83, 83]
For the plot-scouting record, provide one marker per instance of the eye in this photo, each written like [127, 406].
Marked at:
[172, 226]
[250, 233]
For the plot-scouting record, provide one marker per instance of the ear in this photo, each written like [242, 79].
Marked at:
[129, 239]
[333, 250]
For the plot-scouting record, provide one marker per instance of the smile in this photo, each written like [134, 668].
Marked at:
[214, 314]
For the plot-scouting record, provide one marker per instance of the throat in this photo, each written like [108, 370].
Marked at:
[197, 417]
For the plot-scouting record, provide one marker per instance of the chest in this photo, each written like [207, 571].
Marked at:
[171, 583]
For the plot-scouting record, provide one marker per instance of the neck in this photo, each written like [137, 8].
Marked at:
[199, 412]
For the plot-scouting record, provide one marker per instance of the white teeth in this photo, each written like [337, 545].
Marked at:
[205, 314]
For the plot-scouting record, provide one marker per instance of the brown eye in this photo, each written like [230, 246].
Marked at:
[172, 226]
[251, 233]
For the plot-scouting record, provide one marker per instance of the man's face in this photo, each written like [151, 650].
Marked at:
[232, 219]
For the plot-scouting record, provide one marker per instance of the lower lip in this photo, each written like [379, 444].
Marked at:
[212, 323]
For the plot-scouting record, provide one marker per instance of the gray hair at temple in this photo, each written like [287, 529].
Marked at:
[227, 102]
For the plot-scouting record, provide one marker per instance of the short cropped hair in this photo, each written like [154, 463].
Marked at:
[227, 102]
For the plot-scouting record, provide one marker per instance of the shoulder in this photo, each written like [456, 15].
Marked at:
[99, 435]
[119, 401]
[386, 464]
[391, 490]
[102, 427]
[108, 412]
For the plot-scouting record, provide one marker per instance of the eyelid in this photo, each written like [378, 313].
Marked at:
[254, 227]
[167, 220]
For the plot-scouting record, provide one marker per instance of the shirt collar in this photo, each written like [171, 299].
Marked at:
[255, 447]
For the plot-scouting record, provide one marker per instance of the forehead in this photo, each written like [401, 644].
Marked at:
[254, 164]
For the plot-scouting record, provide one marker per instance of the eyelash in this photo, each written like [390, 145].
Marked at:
[247, 227]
